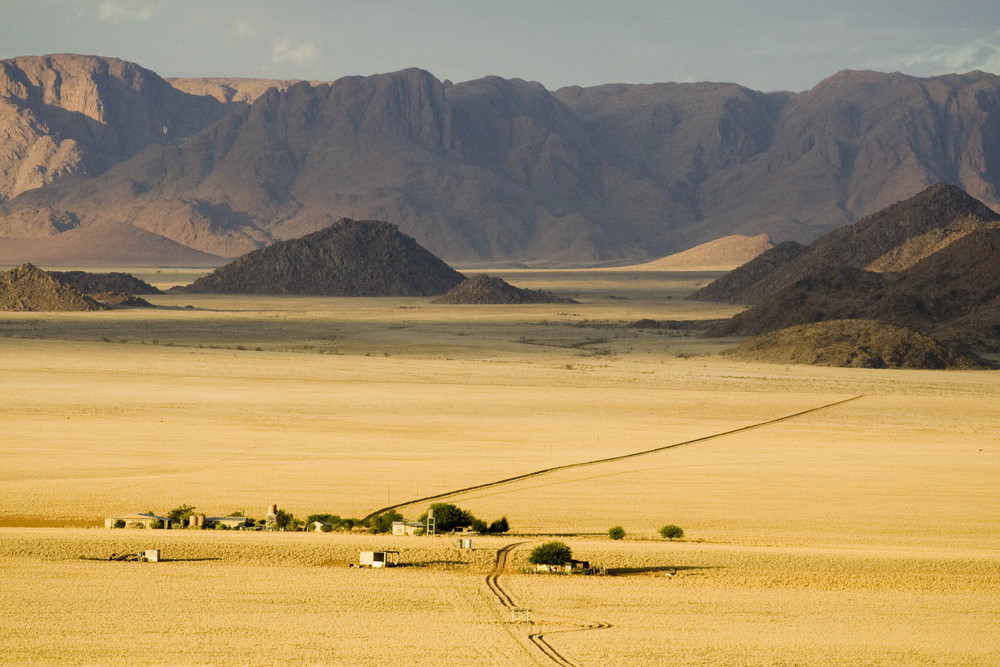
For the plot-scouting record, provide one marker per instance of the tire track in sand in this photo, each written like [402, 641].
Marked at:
[536, 638]
[610, 459]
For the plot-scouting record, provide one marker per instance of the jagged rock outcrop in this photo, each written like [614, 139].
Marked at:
[348, 258]
[28, 288]
[71, 114]
[229, 89]
[484, 289]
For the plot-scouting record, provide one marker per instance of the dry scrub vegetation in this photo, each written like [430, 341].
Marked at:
[865, 533]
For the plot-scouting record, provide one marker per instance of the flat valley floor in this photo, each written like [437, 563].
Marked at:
[856, 523]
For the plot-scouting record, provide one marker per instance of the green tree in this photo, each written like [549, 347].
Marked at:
[616, 533]
[499, 526]
[286, 521]
[383, 522]
[157, 524]
[671, 532]
[179, 515]
[120, 523]
[448, 517]
[550, 553]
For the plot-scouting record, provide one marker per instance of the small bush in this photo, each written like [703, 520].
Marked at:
[550, 553]
[616, 533]
[671, 532]
[120, 523]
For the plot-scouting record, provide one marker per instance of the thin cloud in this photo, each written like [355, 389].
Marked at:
[243, 29]
[980, 54]
[115, 11]
[298, 54]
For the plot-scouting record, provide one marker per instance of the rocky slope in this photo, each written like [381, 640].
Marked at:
[894, 238]
[96, 283]
[70, 114]
[498, 170]
[853, 344]
[28, 288]
[484, 289]
[952, 295]
[348, 258]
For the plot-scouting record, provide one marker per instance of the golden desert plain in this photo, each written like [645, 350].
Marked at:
[856, 523]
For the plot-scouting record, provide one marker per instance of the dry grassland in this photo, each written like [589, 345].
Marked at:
[863, 533]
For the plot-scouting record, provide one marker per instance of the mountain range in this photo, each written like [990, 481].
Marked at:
[504, 171]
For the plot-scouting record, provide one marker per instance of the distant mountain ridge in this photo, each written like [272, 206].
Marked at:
[491, 170]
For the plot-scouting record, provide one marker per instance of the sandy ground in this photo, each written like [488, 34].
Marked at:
[865, 533]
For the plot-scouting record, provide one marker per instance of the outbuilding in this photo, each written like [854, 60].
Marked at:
[139, 520]
[407, 528]
[232, 522]
[379, 558]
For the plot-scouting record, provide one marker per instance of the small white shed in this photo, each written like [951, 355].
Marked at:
[379, 558]
[407, 528]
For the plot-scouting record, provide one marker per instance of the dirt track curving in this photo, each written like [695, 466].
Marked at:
[498, 569]
[536, 638]
[610, 459]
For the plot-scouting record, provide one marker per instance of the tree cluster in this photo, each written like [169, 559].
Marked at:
[448, 517]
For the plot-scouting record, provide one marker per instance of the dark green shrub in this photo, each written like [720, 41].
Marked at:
[157, 524]
[120, 523]
[671, 532]
[550, 553]
[383, 522]
[286, 521]
[479, 526]
[499, 526]
[616, 533]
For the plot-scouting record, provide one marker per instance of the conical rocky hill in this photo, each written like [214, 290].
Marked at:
[484, 289]
[28, 288]
[348, 258]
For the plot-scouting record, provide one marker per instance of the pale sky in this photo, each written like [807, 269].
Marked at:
[763, 44]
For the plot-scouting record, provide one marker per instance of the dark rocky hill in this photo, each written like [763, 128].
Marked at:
[852, 343]
[484, 289]
[492, 170]
[952, 295]
[95, 283]
[731, 287]
[930, 213]
[348, 258]
[28, 288]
